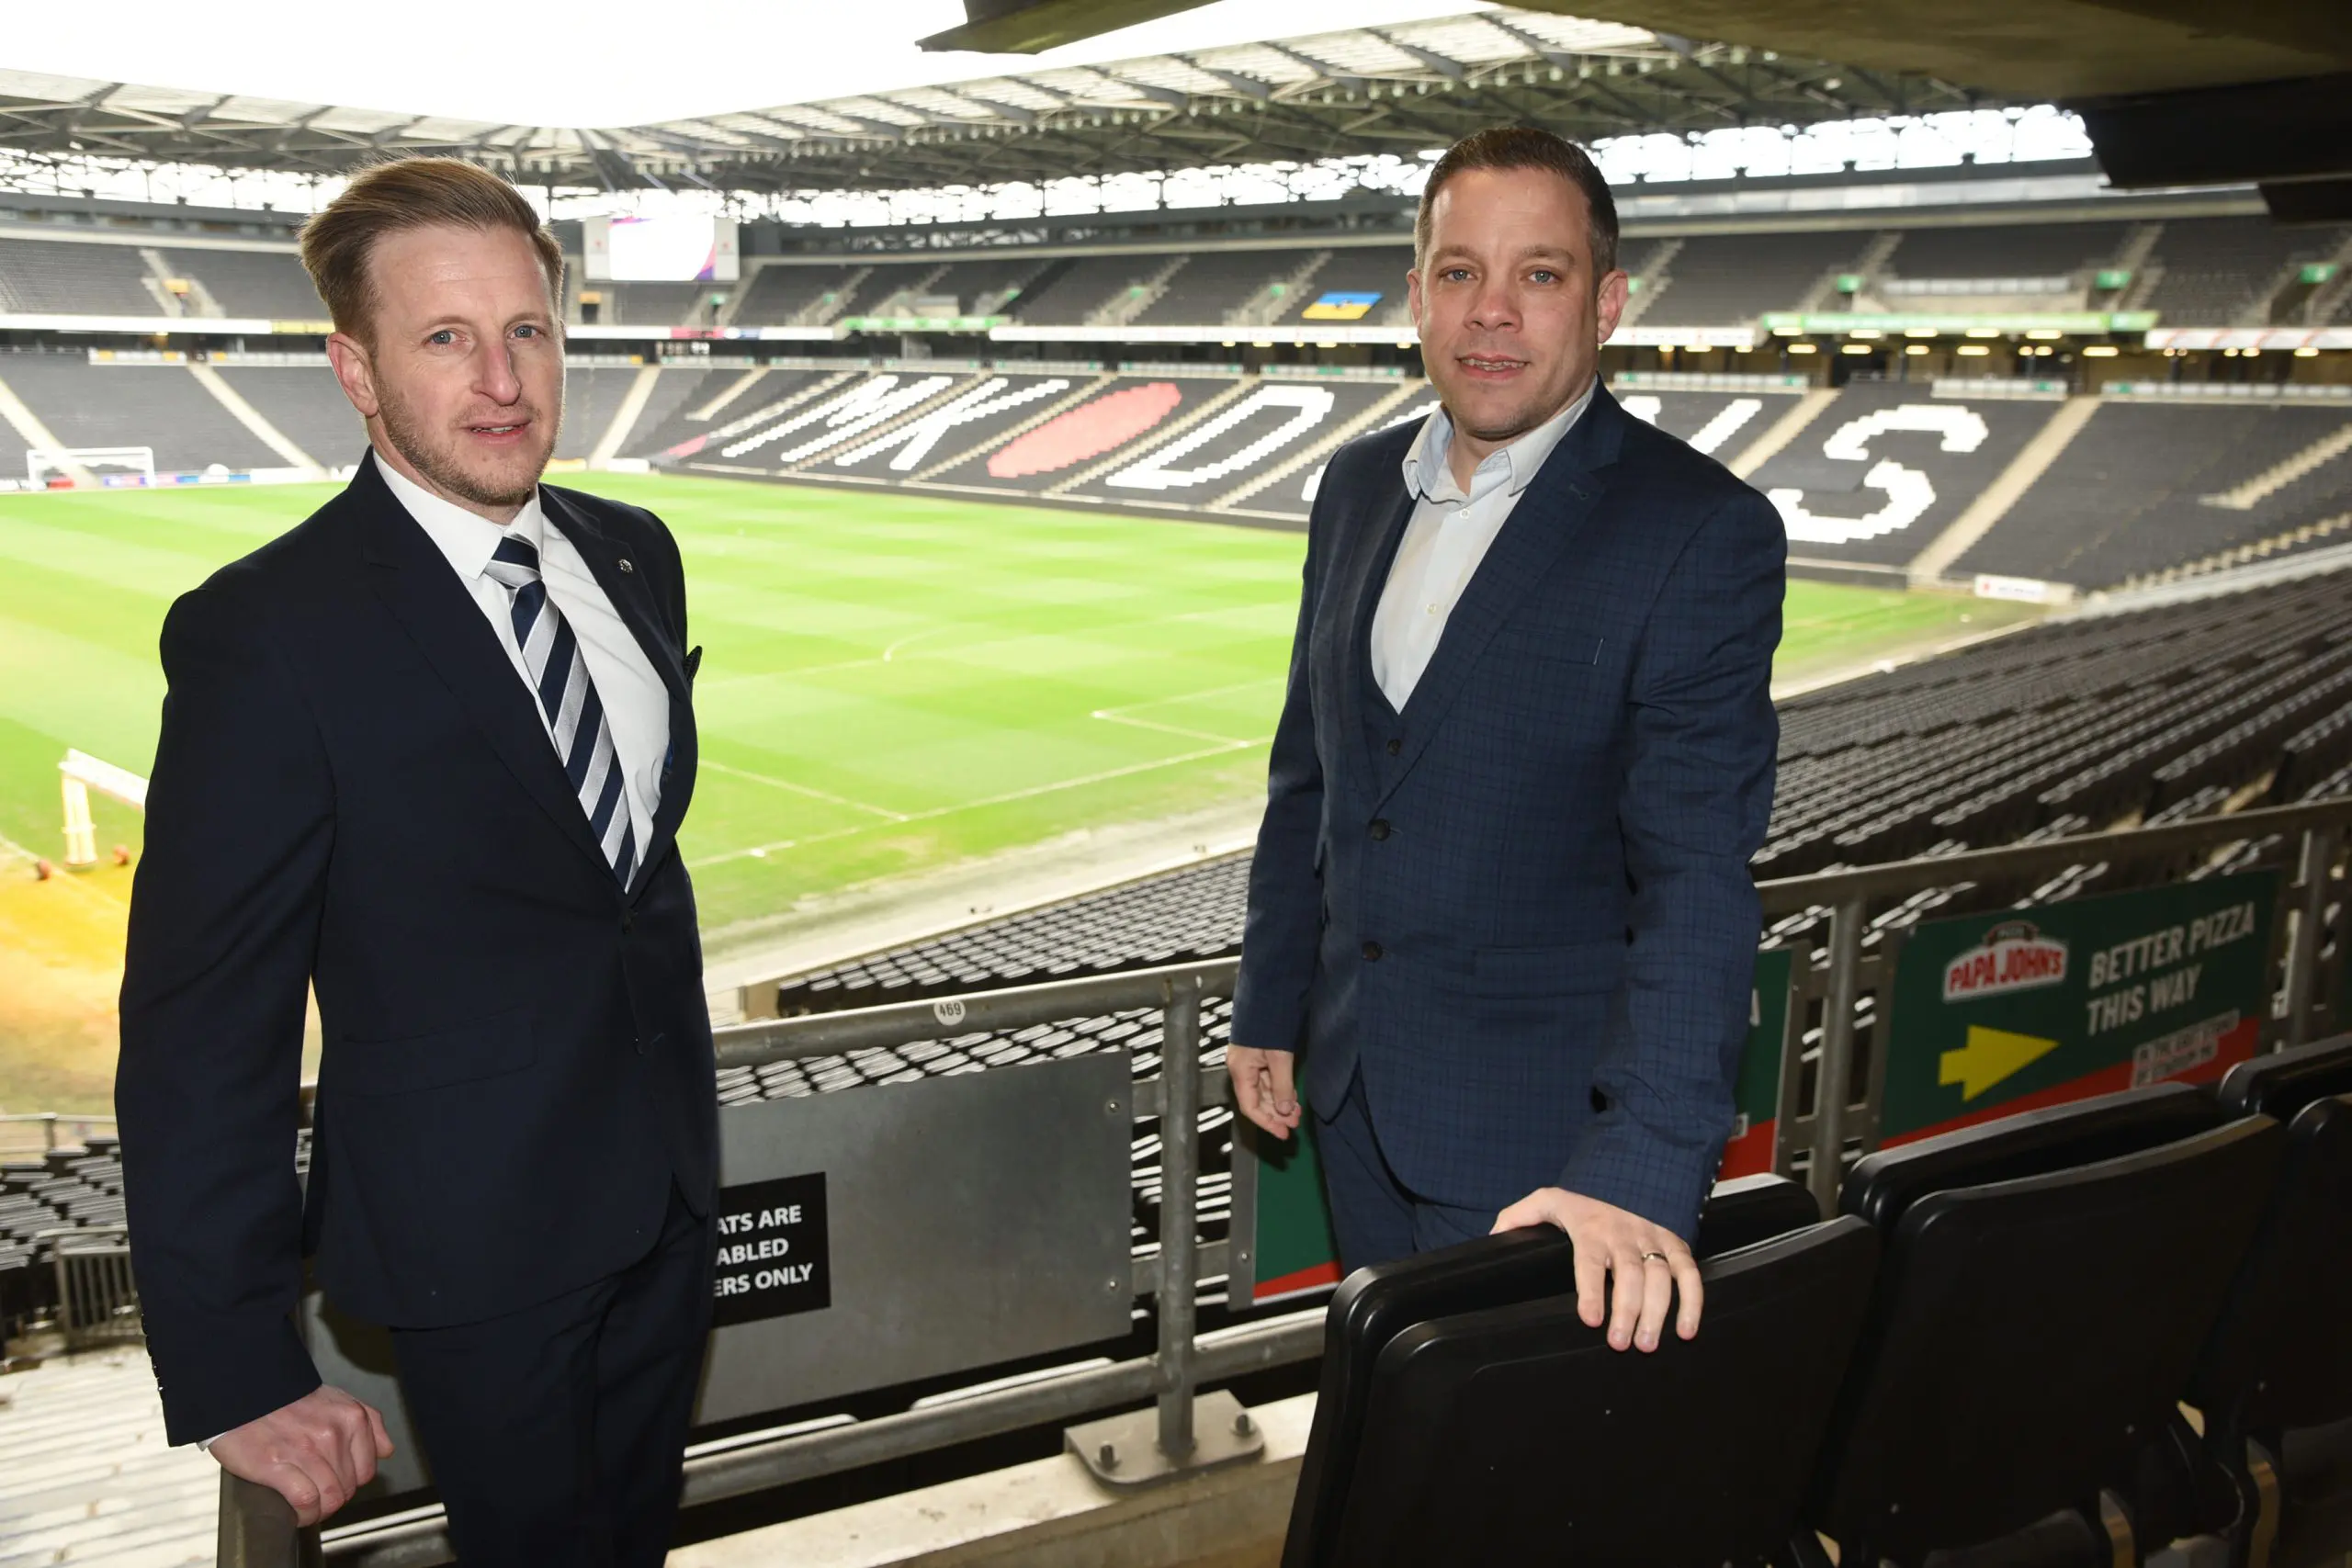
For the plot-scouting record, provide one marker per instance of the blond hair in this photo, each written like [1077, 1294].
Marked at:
[410, 193]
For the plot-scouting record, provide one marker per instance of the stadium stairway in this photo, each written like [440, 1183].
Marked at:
[1992, 503]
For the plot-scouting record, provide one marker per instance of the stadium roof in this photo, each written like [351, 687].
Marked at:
[1395, 89]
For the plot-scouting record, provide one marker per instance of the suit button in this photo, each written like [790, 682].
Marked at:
[1371, 953]
[1380, 826]
[1395, 748]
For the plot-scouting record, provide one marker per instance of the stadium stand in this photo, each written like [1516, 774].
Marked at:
[306, 403]
[681, 387]
[591, 396]
[656, 304]
[65, 277]
[1881, 470]
[977, 410]
[1350, 273]
[1714, 422]
[766, 398]
[73, 1187]
[787, 296]
[1056, 451]
[1214, 286]
[2138, 491]
[1072, 292]
[1723, 280]
[2221, 272]
[268, 284]
[1267, 421]
[2011, 251]
[160, 406]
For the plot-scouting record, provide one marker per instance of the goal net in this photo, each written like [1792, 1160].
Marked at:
[42, 464]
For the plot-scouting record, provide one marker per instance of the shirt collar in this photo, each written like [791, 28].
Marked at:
[467, 538]
[1429, 477]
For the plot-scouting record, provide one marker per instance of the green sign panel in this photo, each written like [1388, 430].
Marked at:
[2001, 1013]
[1294, 1246]
[1755, 1093]
[2112, 278]
[2315, 272]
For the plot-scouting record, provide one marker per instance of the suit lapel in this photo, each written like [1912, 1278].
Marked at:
[1383, 538]
[415, 583]
[1544, 523]
[631, 595]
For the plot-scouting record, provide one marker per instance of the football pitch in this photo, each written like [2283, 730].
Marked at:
[890, 683]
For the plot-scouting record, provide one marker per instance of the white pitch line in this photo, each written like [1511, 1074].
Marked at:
[804, 789]
[759, 852]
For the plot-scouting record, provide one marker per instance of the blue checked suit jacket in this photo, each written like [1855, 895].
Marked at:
[1523, 907]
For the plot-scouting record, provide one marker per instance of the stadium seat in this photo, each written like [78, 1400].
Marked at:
[1515, 1434]
[1374, 1305]
[2047, 1283]
[2278, 1359]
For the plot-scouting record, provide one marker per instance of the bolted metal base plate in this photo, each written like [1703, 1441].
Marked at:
[1124, 1450]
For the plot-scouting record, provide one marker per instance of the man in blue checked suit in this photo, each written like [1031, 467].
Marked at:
[1501, 928]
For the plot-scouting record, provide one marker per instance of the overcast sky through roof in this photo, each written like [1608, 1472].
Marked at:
[593, 63]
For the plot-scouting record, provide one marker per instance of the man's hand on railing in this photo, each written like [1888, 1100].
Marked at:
[315, 1453]
[1263, 1086]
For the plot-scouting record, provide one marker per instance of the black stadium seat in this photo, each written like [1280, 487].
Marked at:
[1374, 1305]
[1516, 1435]
[2280, 1358]
[2047, 1283]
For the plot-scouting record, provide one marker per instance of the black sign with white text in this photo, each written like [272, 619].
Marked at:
[773, 1260]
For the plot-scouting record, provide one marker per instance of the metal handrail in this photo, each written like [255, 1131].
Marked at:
[1787, 895]
[49, 1121]
[1183, 1359]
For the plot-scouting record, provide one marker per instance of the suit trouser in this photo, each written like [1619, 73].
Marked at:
[556, 1433]
[1375, 1217]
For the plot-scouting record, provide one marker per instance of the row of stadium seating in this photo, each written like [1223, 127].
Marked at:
[2201, 271]
[2136, 488]
[70, 1189]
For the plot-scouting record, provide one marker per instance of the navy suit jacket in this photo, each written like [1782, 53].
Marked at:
[355, 793]
[1521, 907]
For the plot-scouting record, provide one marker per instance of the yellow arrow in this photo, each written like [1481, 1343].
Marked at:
[1990, 1055]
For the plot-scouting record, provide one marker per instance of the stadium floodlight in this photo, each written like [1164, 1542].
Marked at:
[80, 773]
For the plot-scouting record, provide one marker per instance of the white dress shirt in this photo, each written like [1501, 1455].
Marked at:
[1449, 535]
[637, 705]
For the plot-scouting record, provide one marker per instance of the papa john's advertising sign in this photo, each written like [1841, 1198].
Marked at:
[1995, 1014]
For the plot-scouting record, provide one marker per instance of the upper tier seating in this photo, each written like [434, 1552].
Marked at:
[1213, 284]
[58, 277]
[1072, 290]
[2008, 251]
[1721, 280]
[2216, 271]
[776, 296]
[268, 284]
[1357, 269]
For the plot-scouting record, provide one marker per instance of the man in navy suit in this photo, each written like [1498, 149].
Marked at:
[426, 756]
[1501, 905]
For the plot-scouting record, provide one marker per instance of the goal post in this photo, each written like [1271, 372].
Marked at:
[41, 462]
[80, 773]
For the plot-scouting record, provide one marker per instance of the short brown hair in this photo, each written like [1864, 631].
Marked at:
[1527, 147]
[410, 193]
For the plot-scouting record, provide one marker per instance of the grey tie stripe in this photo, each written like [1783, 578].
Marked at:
[575, 715]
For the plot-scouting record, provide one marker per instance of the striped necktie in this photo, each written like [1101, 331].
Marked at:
[575, 715]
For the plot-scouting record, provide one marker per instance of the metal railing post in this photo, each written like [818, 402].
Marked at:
[1833, 1074]
[1180, 1119]
[48, 1132]
[258, 1529]
[2302, 955]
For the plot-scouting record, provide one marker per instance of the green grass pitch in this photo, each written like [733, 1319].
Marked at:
[891, 681]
